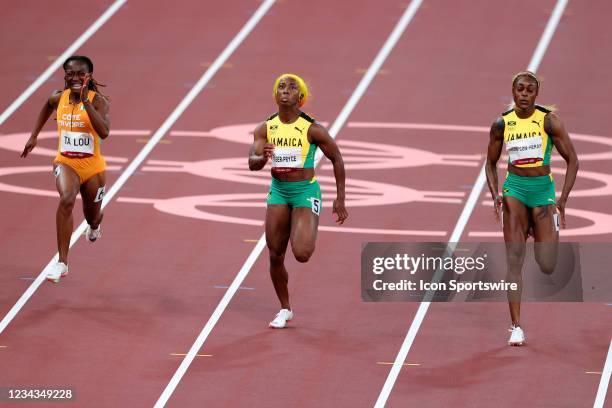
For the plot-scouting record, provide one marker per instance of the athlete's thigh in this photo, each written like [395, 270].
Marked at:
[545, 223]
[304, 226]
[92, 192]
[278, 224]
[515, 219]
[546, 237]
[66, 180]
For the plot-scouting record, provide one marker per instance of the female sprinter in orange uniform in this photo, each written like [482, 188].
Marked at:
[529, 132]
[290, 138]
[82, 121]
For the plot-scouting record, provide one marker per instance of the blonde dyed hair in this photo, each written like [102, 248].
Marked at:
[527, 74]
[303, 88]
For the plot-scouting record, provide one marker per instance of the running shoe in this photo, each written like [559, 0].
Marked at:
[517, 336]
[56, 271]
[281, 319]
[93, 234]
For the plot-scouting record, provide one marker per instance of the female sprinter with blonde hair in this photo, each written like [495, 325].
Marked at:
[290, 139]
[82, 121]
[528, 195]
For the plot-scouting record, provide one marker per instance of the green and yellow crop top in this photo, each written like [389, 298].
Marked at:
[527, 143]
[291, 147]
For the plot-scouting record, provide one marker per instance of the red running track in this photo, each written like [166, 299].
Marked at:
[146, 289]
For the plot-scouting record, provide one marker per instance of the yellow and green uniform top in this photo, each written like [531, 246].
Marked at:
[292, 150]
[527, 143]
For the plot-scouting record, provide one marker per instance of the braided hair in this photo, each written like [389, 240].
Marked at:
[92, 84]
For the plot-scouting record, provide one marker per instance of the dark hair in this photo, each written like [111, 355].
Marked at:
[93, 84]
[80, 58]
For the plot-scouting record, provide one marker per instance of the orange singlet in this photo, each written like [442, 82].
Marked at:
[79, 143]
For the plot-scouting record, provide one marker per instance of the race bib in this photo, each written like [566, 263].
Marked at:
[100, 194]
[290, 157]
[556, 222]
[76, 144]
[315, 205]
[525, 151]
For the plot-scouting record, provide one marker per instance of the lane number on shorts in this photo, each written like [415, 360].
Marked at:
[57, 171]
[316, 205]
[556, 222]
[100, 194]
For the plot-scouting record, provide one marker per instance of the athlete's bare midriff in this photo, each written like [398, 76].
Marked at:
[293, 175]
[529, 171]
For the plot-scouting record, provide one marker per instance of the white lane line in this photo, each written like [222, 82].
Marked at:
[604, 380]
[60, 60]
[547, 35]
[461, 222]
[178, 111]
[261, 243]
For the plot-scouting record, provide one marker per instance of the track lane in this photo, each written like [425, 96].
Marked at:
[334, 335]
[475, 370]
[33, 41]
[60, 305]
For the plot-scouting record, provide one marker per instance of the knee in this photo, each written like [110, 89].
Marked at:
[66, 202]
[546, 257]
[514, 254]
[303, 254]
[276, 258]
[547, 266]
[514, 261]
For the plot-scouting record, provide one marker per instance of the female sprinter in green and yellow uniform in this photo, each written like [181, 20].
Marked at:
[529, 132]
[290, 139]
